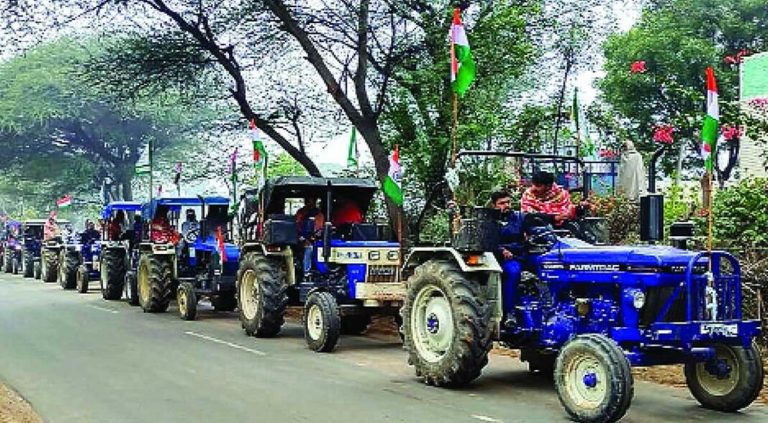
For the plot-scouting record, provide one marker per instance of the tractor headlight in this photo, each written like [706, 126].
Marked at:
[374, 255]
[638, 299]
[393, 255]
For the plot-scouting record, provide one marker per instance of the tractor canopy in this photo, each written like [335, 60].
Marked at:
[150, 209]
[115, 206]
[277, 190]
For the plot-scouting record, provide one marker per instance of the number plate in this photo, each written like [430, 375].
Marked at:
[720, 329]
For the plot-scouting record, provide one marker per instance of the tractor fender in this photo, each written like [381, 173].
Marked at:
[285, 253]
[419, 255]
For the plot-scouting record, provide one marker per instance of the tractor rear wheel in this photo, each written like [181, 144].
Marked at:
[112, 274]
[8, 262]
[445, 325]
[68, 269]
[187, 301]
[355, 325]
[131, 290]
[728, 383]
[593, 379]
[26, 267]
[155, 283]
[224, 302]
[262, 295]
[82, 279]
[322, 324]
[50, 260]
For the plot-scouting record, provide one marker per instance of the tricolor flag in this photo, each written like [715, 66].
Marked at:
[462, 65]
[353, 155]
[220, 242]
[709, 130]
[259, 153]
[392, 186]
[64, 201]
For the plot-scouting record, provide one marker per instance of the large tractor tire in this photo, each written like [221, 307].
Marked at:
[446, 325]
[593, 379]
[112, 274]
[322, 323]
[737, 385]
[8, 262]
[27, 266]
[224, 302]
[68, 269]
[155, 283]
[262, 295]
[50, 260]
[131, 290]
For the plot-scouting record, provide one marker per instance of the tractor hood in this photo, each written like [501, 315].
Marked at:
[577, 255]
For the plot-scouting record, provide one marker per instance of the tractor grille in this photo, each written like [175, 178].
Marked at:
[727, 300]
[656, 298]
[382, 273]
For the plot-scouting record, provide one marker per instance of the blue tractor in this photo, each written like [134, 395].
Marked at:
[115, 270]
[78, 260]
[583, 312]
[341, 274]
[192, 259]
[11, 246]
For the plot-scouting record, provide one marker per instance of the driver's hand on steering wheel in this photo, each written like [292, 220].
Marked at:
[507, 254]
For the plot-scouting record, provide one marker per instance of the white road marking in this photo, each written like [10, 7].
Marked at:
[108, 310]
[485, 418]
[227, 343]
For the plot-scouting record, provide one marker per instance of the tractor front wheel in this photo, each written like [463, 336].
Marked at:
[445, 325]
[322, 324]
[262, 296]
[187, 301]
[155, 283]
[50, 259]
[131, 290]
[82, 280]
[112, 273]
[26, 267]
[68, 269]
[593, 379]
[729, 382]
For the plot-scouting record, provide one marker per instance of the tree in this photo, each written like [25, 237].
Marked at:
[677, 40]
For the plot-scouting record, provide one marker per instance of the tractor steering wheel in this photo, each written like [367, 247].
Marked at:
[192, 235]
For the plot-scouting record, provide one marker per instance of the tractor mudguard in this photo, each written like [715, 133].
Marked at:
[285, 252]
[418, 255]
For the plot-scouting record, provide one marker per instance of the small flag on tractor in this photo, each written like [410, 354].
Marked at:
[220, 241]
[709, 130]
[462, 64]
[64, 201]
[259, 154]
[392, 185]
[353, 154]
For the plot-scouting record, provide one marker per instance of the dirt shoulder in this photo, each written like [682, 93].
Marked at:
[13, 408]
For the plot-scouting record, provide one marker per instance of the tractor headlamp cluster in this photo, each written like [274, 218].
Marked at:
[393, 255]
[374, 255]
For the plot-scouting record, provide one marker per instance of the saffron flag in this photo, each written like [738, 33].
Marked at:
[392, 185]
[709, 130]
[462, 64]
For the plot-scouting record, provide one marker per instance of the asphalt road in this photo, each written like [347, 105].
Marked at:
[77, 358]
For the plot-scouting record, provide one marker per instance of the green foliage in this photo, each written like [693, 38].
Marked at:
[740, 218]
[622, 218]
[434, 230]
[680, 204]
[678, 39]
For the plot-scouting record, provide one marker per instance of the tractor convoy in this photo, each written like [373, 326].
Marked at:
[578, 311]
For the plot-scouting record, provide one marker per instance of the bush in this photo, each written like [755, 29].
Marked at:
[741, 215]
[622, 218]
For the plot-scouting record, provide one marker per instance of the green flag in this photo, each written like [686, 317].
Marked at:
[352, 154]
[462, 64]
[710, 130]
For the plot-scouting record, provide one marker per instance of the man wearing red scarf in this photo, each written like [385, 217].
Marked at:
[545, 196]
